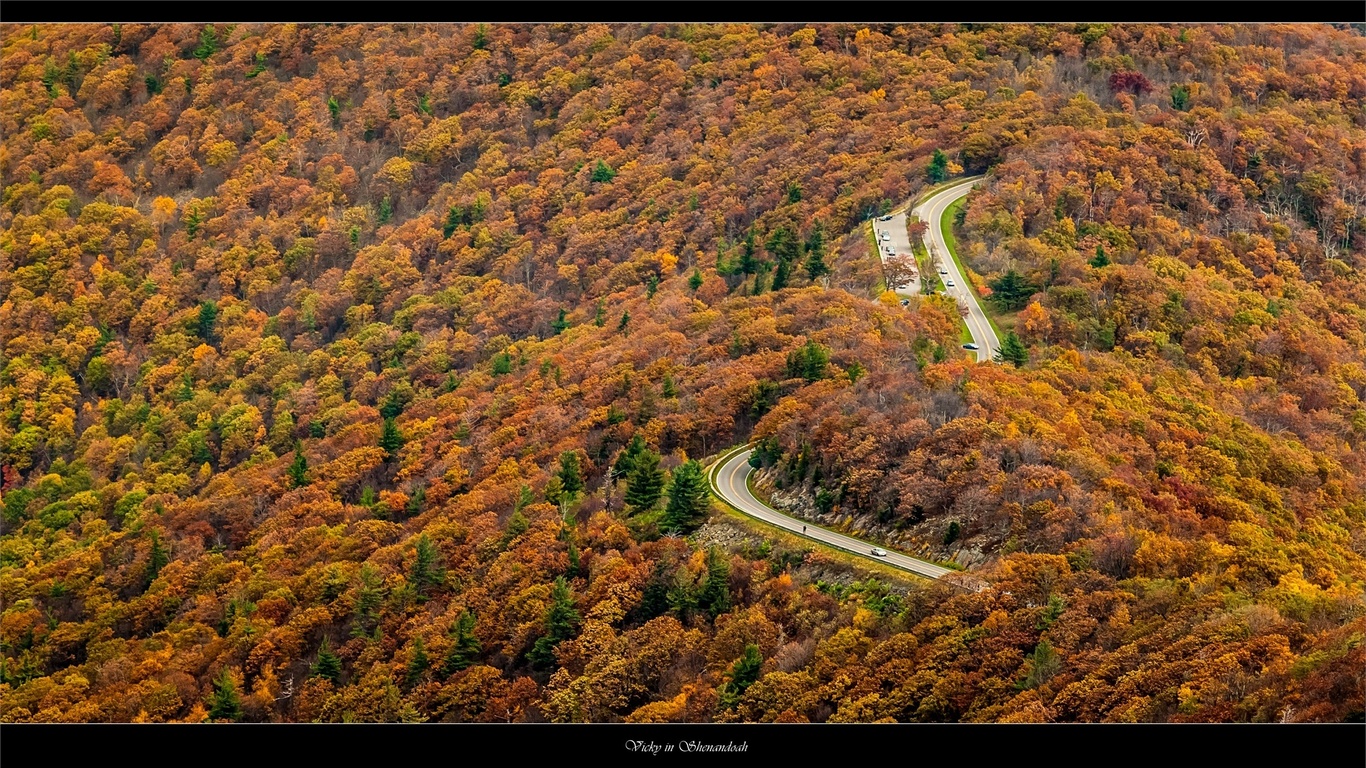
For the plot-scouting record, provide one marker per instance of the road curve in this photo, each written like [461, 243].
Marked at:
[931, 211]
[731, 482]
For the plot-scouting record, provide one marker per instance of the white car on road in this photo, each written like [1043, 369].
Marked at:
[879, 552]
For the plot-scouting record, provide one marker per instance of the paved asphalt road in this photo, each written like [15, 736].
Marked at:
[931, 211]
[900, 242]
[731, 484]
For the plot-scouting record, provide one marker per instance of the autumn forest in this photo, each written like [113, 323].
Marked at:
[372, 373]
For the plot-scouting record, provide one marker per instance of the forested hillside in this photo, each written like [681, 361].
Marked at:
[363, 372]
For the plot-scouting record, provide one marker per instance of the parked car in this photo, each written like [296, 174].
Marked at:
[879, 552]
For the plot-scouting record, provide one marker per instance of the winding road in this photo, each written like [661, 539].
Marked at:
[730, 481]
[729, 476]
[931, 211]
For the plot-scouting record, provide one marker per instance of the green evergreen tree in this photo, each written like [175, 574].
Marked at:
[815, 253]
[417, 664]
[334, 108]
[517, 525]
[392, 405]
[369, 597]
[386, 210]
[208, 43]
[714, 598]
[481, 37]
[328, 665]
[225, 703]
[808, 361]
[855, 371]
[390, 439]
[939, 167]
[298, 470]
[502, 364]
[742, 675]
[1011, 290]
[465, 650]
[695, 280]
[603, 173]
[1100, 259]
[651, 286]
[571, 477]
[668, 388]
[1012, 350]
[158, 557]
[560, 323]
[560, 621]
[654, 599]
[1181, 98]
[781, 275]
[416, 501]
[427, 570]
[454, 218]
[600, 318]
[645, 485]
[208, 315]
[625, 320]
[688, 499]
[626, 461]
[749, 264]
[575, 561]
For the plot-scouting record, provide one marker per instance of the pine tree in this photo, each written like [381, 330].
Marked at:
[742, 675]
[208, 315]
[603, 173]
[560, 621]
[560, 323]
[780, 275]
[390, 440]
[600, 319]
[369, 597]
[1011, 290]
[575, 561]
[298, 471]
[625, 320]
[808, 361]
[329, 664]
[668, 388]
[749, 265]
[626, 461]
[654, 599]
[386, 210]
[571, 479]
[939, 167]
[225, 704]
[427, 570]
[715, 595]
[416, 501]
[651, 286]
[465, 650]
[158, 557]
[646, 483]
[688, 499]
[1100, 259]
[417, 664]
[695, 280]
[1013, 350]
[815, 253]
